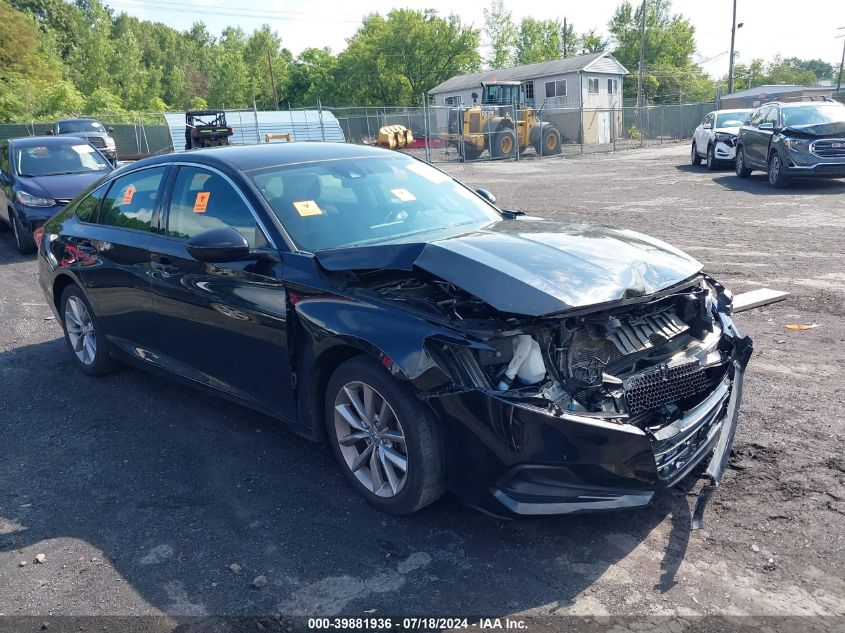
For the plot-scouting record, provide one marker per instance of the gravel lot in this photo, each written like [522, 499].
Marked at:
[142, 493]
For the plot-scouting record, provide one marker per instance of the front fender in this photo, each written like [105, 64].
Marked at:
[396, 338]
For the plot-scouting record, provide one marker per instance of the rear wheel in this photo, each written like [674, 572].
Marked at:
[383, 438]
[695, 159]
[777, 174]
[741, 170]
[83, 334]
[23, 238]
[503, 144]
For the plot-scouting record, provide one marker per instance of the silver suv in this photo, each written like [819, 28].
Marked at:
[793, 140]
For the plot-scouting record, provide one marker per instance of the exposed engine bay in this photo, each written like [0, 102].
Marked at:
[643, 362]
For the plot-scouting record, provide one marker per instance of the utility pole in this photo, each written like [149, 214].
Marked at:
[642, 57]
[842, 63]
[731, 61]
[565, 36]
[272, 80]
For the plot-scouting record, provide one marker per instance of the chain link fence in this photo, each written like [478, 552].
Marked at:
[441, 133]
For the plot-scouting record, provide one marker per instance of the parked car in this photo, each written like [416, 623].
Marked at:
[528, 365]
[39, 175]
[715, 137]
[793, 140]
[92, 131]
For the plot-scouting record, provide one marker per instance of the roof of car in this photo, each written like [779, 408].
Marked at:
[29, 141]
[249, 157]
[795, 104]
[76, 118]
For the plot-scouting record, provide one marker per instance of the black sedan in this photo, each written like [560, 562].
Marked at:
[39, 175]
[435, 341]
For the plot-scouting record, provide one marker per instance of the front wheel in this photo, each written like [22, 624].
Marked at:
[777, 175]
[695, 158]
[741, 170]
[548, 141]
[83, 334]
[503, 144]
[24, 240]
[712, 164]
[383, 438]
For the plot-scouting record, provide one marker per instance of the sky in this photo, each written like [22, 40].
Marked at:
[805, 29]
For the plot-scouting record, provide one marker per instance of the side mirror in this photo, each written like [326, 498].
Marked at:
[489, 197]
[707, 127]
[49, 132]
[223, 244]
[109, 130]
[766, 126]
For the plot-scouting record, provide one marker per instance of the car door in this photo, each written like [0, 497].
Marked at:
[5, 184]
[767, 131]
[106, 248]
[222, 325]
[754, 138]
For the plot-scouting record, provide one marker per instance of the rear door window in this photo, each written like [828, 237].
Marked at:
[131, 200]
[204, 200]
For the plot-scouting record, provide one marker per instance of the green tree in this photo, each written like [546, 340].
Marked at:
[670, 74]
[540, 41]
[230, 83]
[501, 35]
[313, 77]
[593, 42]
[394, 59]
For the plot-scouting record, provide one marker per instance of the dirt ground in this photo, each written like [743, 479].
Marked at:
[141, 493]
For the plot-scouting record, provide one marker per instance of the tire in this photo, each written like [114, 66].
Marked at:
[777, 177]
[468, 151]
[503, 144]
[548, 141]
[3, 226]
[24, 240]
[712, 163]
[695, 159]
[375, 449]
[741, 170]
[77, 315]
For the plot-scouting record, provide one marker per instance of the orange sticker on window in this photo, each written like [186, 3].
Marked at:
[128, 194]
[306, 208]
[201, 203]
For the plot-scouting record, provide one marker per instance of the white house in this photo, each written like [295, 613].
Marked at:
[558, 88]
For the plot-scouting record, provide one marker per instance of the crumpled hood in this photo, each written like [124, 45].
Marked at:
[533, 266]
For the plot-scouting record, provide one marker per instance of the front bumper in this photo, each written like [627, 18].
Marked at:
[724, 151]
[34, 217]
[516, 459]
[819, 170]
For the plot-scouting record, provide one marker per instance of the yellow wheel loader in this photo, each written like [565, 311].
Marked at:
[490, 126]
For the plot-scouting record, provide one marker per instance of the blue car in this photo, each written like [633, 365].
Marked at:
[39, 175]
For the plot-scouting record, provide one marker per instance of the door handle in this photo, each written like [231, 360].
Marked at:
[163, 265]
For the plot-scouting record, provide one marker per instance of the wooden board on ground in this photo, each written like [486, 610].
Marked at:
[757, 298]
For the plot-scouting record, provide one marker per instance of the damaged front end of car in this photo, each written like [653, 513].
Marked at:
[557, 402]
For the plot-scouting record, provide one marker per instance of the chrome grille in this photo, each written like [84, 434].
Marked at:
[96, 141]
[649, 390]
[829, 148]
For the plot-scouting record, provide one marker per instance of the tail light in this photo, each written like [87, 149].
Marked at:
[38, 234]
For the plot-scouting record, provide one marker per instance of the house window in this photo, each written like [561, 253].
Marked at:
[593, 85]
[555, 89]
[612, 86]
[452, 101]
[528, 89]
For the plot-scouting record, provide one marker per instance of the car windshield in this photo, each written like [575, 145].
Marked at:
[54, 159]
[340, 203]
[813, 115]
[731, 119]
[80, 126]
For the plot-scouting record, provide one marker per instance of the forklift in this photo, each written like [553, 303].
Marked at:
[206, 128]
[490, 126]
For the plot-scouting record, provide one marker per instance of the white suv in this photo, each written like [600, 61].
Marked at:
[715, 137]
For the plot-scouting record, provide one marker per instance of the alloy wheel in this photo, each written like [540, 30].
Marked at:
[774, 168]
[371, 439]
[80, 330]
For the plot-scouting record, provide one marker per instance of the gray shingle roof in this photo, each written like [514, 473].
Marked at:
[773, 90]
[518, 73]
